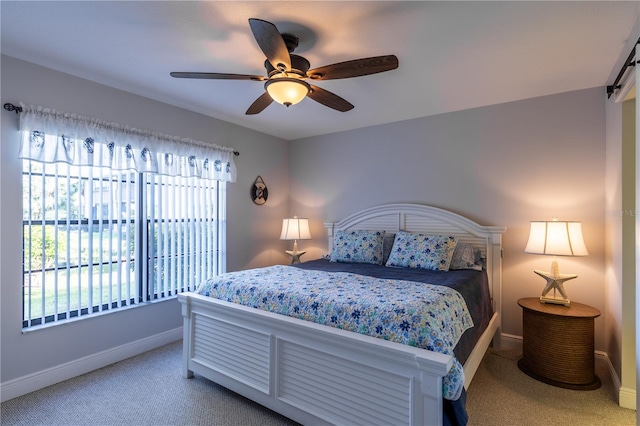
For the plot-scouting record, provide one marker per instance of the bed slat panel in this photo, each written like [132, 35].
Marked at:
[217, 344]
[355, 395]
[389, 223]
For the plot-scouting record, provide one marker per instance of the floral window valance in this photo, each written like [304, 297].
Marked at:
[52, 136]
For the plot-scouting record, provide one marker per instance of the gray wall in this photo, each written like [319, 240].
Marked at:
[253, 231]
[505, 165]
[499, 165]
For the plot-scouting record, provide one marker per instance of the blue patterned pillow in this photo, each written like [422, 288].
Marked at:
[357, 247]
[422, 251]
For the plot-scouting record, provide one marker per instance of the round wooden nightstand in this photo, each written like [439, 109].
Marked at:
[558, 344]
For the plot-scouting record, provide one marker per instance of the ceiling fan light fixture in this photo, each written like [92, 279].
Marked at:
[286, 71]
[286, 90]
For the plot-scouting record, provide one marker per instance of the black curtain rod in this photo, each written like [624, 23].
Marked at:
[18, 109]
[628, 63]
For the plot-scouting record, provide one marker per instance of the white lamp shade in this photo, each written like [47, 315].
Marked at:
[286, 90]
[559, 238]
[295, 228]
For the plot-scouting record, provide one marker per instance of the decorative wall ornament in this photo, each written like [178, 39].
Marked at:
[259, 192]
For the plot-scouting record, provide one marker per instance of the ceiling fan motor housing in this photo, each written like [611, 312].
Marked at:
[291, 41]
[299, 66]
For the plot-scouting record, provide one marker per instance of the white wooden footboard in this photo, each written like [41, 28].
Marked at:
[311, 373]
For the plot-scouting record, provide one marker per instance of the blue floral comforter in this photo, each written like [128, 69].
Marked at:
[422, 315]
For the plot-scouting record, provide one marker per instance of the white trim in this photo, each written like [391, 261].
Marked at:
[623, 397]
[627, 398]
[626, 85]
[41, 379]
[511, 342]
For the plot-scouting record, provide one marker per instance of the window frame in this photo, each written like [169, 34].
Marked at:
[143, 290]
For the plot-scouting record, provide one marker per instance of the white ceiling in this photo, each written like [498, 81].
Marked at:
[453, 55]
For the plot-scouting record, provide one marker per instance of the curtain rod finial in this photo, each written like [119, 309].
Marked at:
[12, 107]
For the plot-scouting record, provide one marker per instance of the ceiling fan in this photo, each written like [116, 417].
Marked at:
[286, 72]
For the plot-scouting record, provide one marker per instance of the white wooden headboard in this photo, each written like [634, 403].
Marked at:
[392, 218]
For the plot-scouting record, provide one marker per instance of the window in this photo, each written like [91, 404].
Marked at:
[107, 223]
[96, 240]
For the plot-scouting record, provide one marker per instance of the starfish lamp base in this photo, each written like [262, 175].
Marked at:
[555, 300]
[555, 282]
[295, 255]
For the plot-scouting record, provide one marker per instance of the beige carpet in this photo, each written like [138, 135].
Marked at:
[149, 390]
[144, 390]
[501, 395]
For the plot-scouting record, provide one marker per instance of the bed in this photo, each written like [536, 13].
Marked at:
[321, 374]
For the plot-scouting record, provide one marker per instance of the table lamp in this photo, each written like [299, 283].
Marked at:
[295, 229]
[556, 238]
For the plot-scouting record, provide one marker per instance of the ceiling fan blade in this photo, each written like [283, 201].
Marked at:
[329, 99]
[217, 76]
[260, 104]
[271, 43]
[354, 68]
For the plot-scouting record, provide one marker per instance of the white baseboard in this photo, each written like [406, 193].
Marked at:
[626, 396]
[32, 382]
[510, 341]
